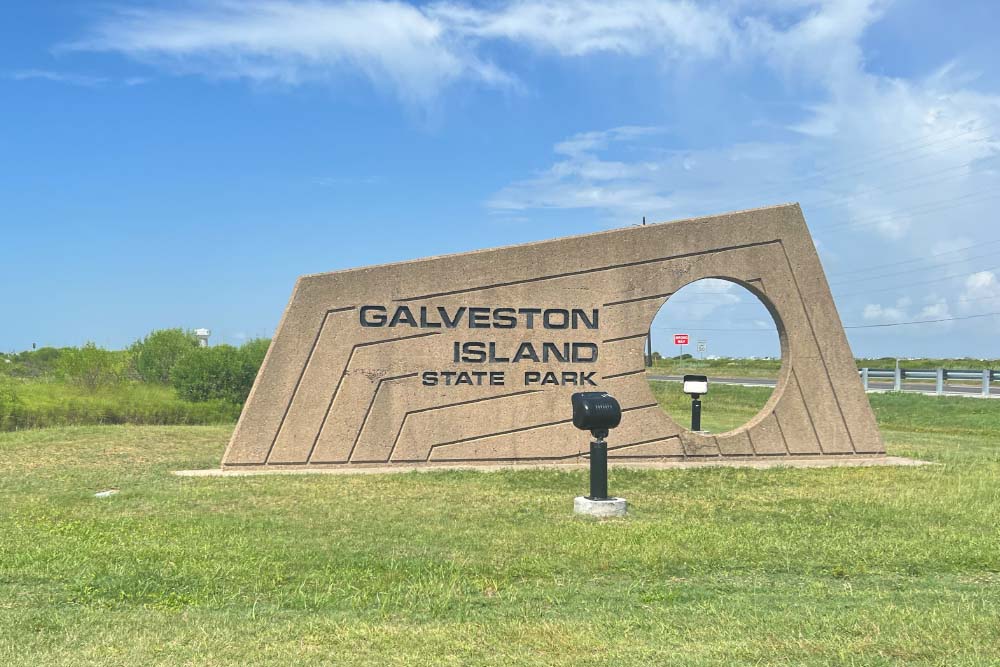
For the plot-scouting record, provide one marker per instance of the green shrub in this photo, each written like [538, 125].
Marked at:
[253, 352]
[222, 372]
[157, 354]
[42, 362]
[92, 367]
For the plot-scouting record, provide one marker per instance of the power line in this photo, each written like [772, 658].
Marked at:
[923, 209]
[875, 158]
[920, 268]
[924, 282]
[918, 259]
[903, 324]
[847, 326]
[907, 184]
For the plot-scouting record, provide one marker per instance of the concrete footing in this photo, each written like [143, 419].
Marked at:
[601, 509]
[689, 464]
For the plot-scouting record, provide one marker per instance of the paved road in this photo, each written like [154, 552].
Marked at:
[951, 389]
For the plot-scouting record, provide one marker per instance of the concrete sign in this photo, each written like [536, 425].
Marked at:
[472, 358]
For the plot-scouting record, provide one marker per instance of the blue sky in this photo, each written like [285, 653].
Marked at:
[180, 164]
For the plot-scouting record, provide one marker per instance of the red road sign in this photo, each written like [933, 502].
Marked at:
[681, 339]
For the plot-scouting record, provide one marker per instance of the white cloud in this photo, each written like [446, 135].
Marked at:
[58, 77]
[932, 311]
[633, 27]
[882, 314]
[981, 293]
[391, 43]
[934, 308]
[419, 50]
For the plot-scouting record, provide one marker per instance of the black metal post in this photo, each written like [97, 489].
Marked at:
[598, 470]
[695, 412]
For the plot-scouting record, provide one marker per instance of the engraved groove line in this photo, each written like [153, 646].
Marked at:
[526, 428]
[295, 389]
[598, 269]
[364, 422]
[343, 373]
[812, 330]
[395, 442]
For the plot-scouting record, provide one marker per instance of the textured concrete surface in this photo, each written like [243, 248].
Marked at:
[358, 374]
[602, 509]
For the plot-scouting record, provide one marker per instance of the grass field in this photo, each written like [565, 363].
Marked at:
[724, 408]
[860, 566]
[769, 368]
[41, 404]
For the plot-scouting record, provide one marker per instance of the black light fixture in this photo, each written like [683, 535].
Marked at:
[695, 386]
[597, 412]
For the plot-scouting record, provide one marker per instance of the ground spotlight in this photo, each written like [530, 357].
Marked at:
[597, 412]
[695, 386]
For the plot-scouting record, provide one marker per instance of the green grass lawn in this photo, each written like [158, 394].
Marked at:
[858, 566]
[769, 368]
[724, 408]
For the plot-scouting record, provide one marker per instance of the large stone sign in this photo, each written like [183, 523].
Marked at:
[471, 358]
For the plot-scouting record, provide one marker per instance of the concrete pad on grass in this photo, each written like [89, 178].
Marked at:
[758, 463]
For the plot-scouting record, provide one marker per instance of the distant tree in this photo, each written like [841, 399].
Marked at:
[251, 357]
[90, 366]
[34, 363]
[157, 354]
[222, 371]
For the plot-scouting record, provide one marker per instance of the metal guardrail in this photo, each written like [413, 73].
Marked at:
[939, 375]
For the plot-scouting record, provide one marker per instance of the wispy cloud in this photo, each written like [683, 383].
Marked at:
[393, 44]
[58, 77]
[75, 79]
[417, 51]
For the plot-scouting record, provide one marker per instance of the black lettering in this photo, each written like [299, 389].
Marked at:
[501, 319]
[551, 349]
[550, 378]
[493, 355]
[578, 347]
[587, 377]
[429, 378]
[474, 352]
[525, 351]
[550, 322]
[423, 320]
[532, 377]
[463, 378]
[579, 315]
[403, 315]
[529, 316]
[376, 320]
[447, 375]
[496, 378]
[479, 318]
[451, 324]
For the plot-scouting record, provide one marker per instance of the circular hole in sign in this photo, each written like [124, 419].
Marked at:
[722, 330]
